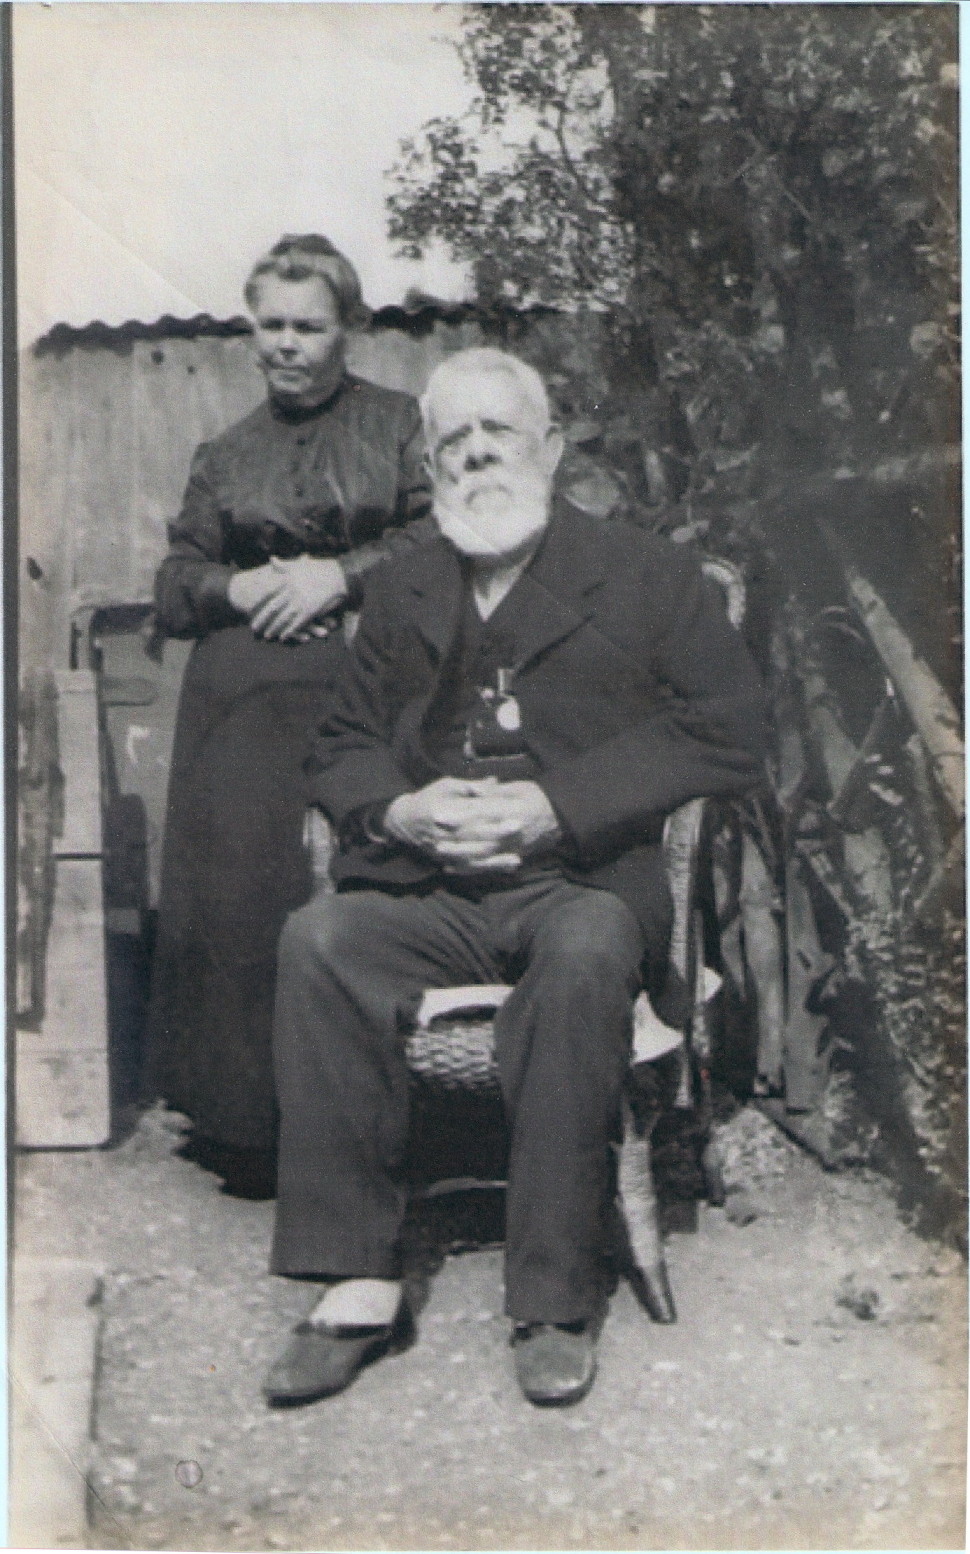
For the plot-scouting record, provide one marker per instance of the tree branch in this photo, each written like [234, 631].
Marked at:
[558, 130]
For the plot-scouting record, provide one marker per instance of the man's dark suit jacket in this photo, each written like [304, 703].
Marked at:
[636, 694]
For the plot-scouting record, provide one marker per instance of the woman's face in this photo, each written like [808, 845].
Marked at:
[299, 339]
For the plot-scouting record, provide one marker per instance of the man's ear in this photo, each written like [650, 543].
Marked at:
[553, 449]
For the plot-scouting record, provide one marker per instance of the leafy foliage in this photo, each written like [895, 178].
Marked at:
[759, 198]
[884, 849]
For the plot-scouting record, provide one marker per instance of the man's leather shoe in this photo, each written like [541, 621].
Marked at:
[319, 1361]
[554, 1364]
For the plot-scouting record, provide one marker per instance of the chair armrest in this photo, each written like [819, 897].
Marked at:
[681, 845]
[318, 843]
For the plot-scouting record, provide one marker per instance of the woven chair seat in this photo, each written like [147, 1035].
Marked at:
[454, 1054]
[451, 1043]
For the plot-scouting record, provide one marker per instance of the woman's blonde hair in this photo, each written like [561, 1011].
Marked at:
[299, 257]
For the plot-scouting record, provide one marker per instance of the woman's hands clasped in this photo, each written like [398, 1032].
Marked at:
[286, 600]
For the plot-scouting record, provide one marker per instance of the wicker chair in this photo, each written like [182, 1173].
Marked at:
[450, 1041]
[450, 1048]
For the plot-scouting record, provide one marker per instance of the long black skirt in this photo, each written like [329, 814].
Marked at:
[234, 865]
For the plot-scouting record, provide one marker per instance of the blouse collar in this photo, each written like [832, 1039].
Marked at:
[298, 415]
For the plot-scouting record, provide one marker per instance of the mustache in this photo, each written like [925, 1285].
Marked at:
[484, 480]
[519, 486]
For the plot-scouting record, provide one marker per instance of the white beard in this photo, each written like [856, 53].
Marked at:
[493, 521]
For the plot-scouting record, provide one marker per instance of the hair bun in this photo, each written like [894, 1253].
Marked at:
[299, 255]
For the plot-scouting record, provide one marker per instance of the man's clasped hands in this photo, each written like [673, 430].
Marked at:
[469, 826]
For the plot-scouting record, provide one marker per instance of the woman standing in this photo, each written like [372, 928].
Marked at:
[282, 515]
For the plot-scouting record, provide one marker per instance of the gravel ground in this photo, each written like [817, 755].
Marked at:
[811, 1394]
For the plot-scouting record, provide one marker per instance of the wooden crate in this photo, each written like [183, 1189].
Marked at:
[62, 1088]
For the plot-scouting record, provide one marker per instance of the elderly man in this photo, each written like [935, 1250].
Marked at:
[530, 694]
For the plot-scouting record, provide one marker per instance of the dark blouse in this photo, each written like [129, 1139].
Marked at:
[342, 480]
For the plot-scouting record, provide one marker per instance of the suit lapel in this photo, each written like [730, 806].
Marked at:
[556, 593]
[437, 597]
[553, 597]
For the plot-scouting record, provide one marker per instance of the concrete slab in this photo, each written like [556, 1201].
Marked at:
[771, 1416]
[56, 1319]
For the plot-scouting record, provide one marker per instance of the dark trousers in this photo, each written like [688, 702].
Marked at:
[347, 966]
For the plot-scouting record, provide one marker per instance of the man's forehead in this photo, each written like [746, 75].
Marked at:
[485, 396]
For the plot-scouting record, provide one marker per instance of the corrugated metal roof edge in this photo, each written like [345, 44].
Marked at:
[418, 318]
